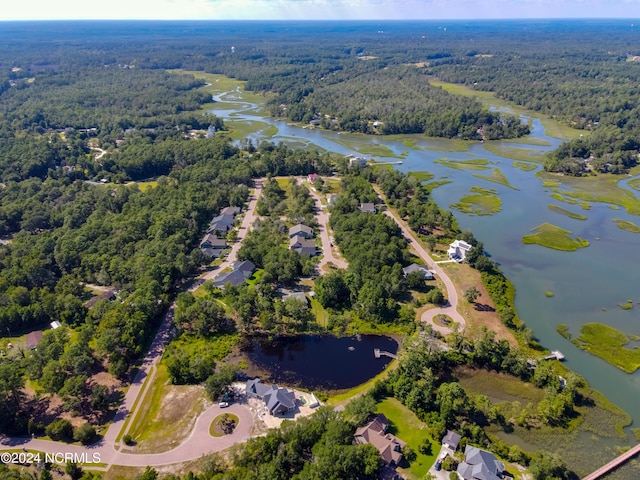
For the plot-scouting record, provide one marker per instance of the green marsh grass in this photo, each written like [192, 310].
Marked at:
[609, 344]
[496, 177]
[552, 236]
[568, 213]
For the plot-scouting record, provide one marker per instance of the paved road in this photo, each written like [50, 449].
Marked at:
[322, 215]
[200, 442]
[247, 222]
[451, 293]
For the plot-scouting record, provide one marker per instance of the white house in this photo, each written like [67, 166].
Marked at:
[458, 250]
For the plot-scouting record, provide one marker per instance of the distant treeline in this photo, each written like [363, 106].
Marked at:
[364, 77]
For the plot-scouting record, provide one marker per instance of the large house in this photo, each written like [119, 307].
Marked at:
[458, 250]
[301, 230]
[238, 275]
[389, 446]
[211, 241]
[422, 269]
[302, 246]
[480, 465]
[221, 224]
[278, 400]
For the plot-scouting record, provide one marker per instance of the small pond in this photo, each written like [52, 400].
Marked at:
[320, 362]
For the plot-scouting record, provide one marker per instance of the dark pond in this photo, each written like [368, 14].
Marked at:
[321, 362]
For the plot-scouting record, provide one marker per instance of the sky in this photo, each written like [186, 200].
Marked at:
[315, 9]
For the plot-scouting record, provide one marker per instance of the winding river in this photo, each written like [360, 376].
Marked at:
[588, 284]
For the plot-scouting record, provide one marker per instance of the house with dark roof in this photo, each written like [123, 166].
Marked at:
[374, 433]
[108, 295]
[230, 211]
[451, 440]
[212, 252]
[247, 267]
[480, 465]
[278, 400]
[422, 269]
[235, 278]
[33, 338]
[302, 246]
[367, 208]
[301, 230]
[211, 241]
[221, 224]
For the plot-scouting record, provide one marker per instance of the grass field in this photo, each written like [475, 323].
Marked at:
[626, 225]
[479, 204]
[609, 344]
[568, 213]
[496, 177]
[475, 164]
[320, 314]
[552, 236]
[404, 424]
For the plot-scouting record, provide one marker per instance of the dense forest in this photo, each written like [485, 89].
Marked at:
[364, 77]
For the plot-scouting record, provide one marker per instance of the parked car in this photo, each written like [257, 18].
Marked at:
[438, 465]
[223, 404]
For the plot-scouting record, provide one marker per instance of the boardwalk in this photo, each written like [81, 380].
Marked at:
[383, 353]
[613, 464]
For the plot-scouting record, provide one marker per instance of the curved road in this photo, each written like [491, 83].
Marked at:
[200, 442]
[452, 293]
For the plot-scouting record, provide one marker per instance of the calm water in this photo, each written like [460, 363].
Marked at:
[588, 284]
[321, 362]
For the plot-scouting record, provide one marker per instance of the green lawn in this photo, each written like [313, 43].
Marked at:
[407, 427]
[319, 313]
[552, 236]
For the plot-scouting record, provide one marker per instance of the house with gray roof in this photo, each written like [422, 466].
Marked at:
[451, 440]
[367, 208]
[422, 269]
[480, 465]
[211, 241]
[278, 400]
[302, 246]
[221, 224]
[235, 278]
[230, 211]
[247, 267]
[301, 230]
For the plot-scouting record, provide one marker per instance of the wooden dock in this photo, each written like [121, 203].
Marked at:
[613, 464]
[382, 353]
[555, 355]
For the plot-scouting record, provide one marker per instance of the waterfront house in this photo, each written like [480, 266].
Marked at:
[480, 465]
[278, 401]
[240, 272]
[458, 250]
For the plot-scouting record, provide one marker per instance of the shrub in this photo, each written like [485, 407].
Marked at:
[60, 430]
[85, 434]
